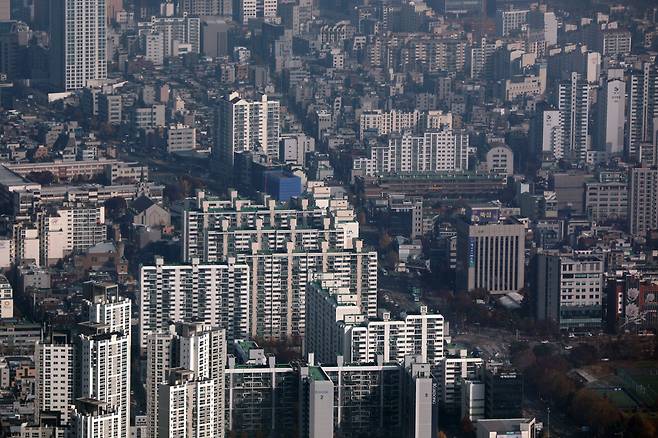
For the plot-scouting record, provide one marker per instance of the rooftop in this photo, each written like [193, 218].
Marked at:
[316, 373]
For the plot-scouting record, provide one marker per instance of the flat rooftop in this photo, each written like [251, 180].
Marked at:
[10, 178]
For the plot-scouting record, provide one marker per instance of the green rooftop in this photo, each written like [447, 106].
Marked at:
[316, 373]
[247, 345]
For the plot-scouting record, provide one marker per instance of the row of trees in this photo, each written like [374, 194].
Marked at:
[546, 374]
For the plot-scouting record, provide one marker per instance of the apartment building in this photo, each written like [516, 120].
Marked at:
[455, 368]
[436, 151]
[185, 380]
[217, 294]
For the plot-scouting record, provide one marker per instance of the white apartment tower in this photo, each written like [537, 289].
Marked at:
[611, 113]
[416, 335]
[185, 381]
[158, 361]
[54, 377]
[105, 362]
[77, 43]
[551, 140]
[642, 108]
[246, 125]
[573, 104]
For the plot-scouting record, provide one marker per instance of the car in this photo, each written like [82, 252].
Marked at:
[545, 341]
[568, 347]
[572, 335]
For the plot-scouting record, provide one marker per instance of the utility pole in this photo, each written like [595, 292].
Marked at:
[548, 423]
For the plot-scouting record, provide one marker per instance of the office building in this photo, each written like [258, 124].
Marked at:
[216, 294]
[245, 125]
[149, 117]
[643, 201]
[490, 255]
[215, 35]
[573, 104]
[110, 108]
[6, 297]
[54, 389]
[607, 198]
[611, 113]
[181, 138]
[500, 159]
[294, 147]
[503, 392]
[641, 108]
[519, 427]
[433, 152]
[570, 291]
[77, 43]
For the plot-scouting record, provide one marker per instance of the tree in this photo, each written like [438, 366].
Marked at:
[639, 426]
[385, 240]
[173, 192]
[441, 434]
[467, 426]
[115, 207]
[45, 177]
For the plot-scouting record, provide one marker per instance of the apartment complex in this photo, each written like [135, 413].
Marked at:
[336, 326]
[216, 294]
[185, 381]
